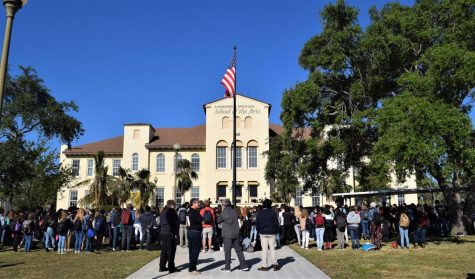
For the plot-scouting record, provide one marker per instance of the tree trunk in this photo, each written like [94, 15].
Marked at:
[455, 207]
[470, 208]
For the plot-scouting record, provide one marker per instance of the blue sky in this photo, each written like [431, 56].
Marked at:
[159, 61]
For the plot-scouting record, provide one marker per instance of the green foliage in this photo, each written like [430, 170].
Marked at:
[143, 184]
[185, 175]
[29, 173]
[120, 189]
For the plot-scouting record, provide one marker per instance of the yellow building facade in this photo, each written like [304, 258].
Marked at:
[208, 148]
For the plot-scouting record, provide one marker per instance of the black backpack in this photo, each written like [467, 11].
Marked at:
[377, 220]
[182, 216]
[341, 220]
[207, 217]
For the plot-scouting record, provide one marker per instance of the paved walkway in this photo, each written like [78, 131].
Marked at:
[210, 264]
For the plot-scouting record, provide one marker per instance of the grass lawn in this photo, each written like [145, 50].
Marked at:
[445, 258]
[40, 264]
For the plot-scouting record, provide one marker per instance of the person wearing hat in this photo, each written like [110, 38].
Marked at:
[267, 225]
[230, 234]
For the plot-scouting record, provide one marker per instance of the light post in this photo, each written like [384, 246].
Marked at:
[176, 147]
[11, 7]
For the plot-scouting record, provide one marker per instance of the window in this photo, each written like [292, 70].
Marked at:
[90, 165]
[86, 193]
[315, 197]
[298, 196]
[178, 158]
[252, 156]
[221, 189]
[238, 122]
[160, 197]
[195, 162]
[73, 198]
[160, 163]
[248, 122]
[178, 196]
[75, 168]
[238, 157]
[195, 192]
[401, 199]
[226, 122]
[221, 157]
[115, 167]
[136, 134]
[238, 190]
[253, 193]
[135, 162]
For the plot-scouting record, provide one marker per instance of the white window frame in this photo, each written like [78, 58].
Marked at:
[178, 157]
[90, 167]
[221, 157]
[160, 196]
[298, 195]
[73, 194]
[195, 192]
[115, 167]
[178, 197]
[315, 197]
[251, 157]
[160, 162]
[75, 169]
[401, 199]
[135, 162]
[195, 162]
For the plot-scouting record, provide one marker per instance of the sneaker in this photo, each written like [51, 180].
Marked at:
[319, 249]
[276, 267]
[113, 249]
[225, 270]
[196, 272]
[244, 269]
[263, 268]
[306, 248]
[301, 247]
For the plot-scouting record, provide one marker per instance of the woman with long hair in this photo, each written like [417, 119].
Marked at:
[304, 228]
[78, 224]
[62, 232]
[297, 213]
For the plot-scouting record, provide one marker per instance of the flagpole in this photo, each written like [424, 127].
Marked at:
[234, 130]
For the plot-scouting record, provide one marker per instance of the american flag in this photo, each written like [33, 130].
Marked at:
[229, 79]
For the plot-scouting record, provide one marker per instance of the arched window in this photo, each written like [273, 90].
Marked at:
[239, 146]
[252, 154]
[160, 163]
[248, 122]
[226, 123]
[221, 150]
[178, 158]
[135, 162]
[195, 162]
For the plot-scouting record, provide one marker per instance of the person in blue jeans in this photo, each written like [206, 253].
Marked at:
[62, 232]
[115, 227]
[364, 221]
[353, 219]
[420, 235]
[49, 232]
[78, 224]
[404, 224]
[319, 228]
[28, 228]
[89, 232]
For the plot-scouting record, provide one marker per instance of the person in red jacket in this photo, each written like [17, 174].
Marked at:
[422, 225]
[208, 223]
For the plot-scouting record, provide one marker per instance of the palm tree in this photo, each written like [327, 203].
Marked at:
[98, 186]
[185, 175]
[121, 187]
[143, 184]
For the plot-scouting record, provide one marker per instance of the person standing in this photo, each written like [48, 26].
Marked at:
[404, 224]
[146, 220]
[182, 212]
[100, 227]
[319, 228]
[353, 219]
[28, 228]
[267, 225]
[169, 226]
[208, 223]
[194, 231]
[305, 227]
[126, 220]
[230, 234]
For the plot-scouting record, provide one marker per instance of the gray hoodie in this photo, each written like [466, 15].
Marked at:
[353, 219]
[229, 221]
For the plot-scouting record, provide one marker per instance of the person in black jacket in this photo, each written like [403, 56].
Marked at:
[194, 231]
[169, 226]
[146, 221]
[100, 227]
[267, 225]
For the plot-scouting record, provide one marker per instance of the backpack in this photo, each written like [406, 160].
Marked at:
[341, 220]
[98, 224]
[207, 217]
[364, 215]
[90, 233]
[319, 220]
[77, 225]
[308, 224]
[182, 216]
[125, 217]
[404, 221]
[27, 226]
[377, 220]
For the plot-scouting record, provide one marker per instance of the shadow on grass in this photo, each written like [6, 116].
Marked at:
[452, 239]
[3, 265]
[470, 275]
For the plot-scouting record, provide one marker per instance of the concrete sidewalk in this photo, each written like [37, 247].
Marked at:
[210, 264]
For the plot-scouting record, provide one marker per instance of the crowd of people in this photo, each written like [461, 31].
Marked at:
[202, 228]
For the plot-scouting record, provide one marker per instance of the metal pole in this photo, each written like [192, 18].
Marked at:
[6, 47]
[234, 131]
